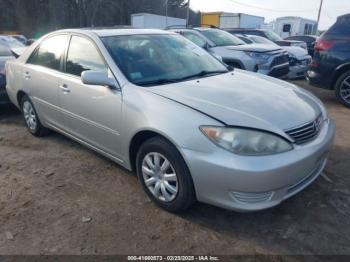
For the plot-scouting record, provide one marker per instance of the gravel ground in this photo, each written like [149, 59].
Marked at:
[57, 197]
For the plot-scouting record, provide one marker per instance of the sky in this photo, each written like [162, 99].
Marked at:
[271, 9]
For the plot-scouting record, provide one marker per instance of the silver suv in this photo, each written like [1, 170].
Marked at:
[264, 59]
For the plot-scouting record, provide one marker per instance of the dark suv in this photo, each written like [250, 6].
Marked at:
[330, 67]
[269, 35]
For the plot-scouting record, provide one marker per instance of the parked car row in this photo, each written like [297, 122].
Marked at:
[190, 126]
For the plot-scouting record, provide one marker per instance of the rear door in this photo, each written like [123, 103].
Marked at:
[91, 113]
[41, 76]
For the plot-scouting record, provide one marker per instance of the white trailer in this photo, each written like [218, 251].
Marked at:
[294, 25]
[145, 20]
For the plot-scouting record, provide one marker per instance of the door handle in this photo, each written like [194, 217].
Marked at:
[26, 76]
[64, 88]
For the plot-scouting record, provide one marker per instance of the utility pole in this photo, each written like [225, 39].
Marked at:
[188, 13]
[166, 13]
[319, 15]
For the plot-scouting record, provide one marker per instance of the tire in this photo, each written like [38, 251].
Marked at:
[161, 148]
[342, 89]
[31, 118]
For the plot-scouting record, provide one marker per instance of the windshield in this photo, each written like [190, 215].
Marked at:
[10, 42]
[221, 38]
[160, 59]
[272, 36]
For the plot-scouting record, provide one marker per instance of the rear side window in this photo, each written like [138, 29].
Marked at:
[83, 56]
[50, 52]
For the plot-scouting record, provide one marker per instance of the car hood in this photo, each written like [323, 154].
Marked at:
[242, 98]
[296, 51]
[254, 48]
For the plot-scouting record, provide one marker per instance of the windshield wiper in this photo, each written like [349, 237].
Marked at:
[204, 73]
[164, 81]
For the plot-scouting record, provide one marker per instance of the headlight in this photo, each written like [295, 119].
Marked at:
[243, 141]
[259, 56]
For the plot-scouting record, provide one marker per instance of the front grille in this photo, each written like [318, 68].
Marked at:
[306, 133]
[279, 60]
[279, 71]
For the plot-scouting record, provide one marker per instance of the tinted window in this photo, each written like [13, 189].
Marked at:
[50, 52]
[83, 56]
[148, 59]
[198, 40]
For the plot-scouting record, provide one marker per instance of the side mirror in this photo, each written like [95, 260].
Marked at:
[98, 78]
[207, 46]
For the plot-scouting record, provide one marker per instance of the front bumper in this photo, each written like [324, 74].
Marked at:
[246, 183]
[297, 71]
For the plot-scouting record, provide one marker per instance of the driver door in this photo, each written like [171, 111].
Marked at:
[91, 113]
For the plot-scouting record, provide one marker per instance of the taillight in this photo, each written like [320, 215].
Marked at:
[323, 45]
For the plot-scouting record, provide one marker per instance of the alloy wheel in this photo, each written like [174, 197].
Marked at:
[29, 115]
[345, 90]
[160, 177]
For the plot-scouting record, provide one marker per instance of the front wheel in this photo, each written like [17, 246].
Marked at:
[164, 175]
[342, 89]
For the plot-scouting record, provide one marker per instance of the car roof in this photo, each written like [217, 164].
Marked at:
[105, 32]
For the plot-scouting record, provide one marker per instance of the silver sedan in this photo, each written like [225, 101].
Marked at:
[161, 106]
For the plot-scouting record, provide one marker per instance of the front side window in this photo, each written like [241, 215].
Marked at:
[195, 39]
[222, 38]
[159, 59]
[83, 56]
[50, 52]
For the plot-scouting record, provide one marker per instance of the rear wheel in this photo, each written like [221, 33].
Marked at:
[342, 89]
[31, 118]
[164, 175]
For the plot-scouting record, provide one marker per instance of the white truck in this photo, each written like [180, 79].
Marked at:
[146, 20]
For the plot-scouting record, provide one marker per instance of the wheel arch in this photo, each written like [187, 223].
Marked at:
[139, 138]
[339, 71]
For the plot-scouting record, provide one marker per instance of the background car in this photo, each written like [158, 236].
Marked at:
[310, 41]
[5, 55]
[10, 42]
[269, 35]
[330, 67]
[264, 59]
[299, 59]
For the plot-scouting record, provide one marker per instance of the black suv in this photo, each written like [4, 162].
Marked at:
[267, 34]
[330, 67]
